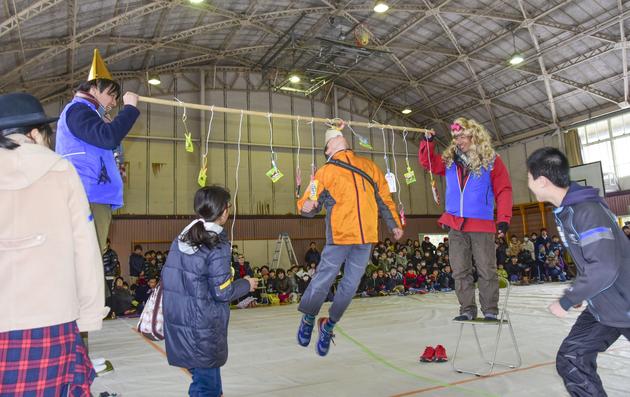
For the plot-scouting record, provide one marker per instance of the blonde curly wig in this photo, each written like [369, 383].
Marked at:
[481, 154]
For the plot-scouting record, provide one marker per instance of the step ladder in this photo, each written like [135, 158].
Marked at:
[284, 241]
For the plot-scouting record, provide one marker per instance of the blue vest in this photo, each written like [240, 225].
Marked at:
[97, 167]
[474, 200]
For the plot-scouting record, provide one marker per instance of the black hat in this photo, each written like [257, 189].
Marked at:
[22, 110]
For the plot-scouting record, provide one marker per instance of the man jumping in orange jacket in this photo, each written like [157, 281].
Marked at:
[354, 192]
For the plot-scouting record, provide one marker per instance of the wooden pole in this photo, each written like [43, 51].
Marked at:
[523, 219]
[167, 102]
[541, 207]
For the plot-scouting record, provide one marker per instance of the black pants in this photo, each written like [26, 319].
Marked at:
[576, 361]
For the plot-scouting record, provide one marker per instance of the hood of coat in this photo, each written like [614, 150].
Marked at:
[27, 164]
[578, 194]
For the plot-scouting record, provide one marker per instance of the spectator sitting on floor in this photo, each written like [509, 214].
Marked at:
[501, 272]
[282, 286]
[513, 269]
[446, 280]
[121, 300]
[434, 280]
[395, 282]
[271, 282]
[242, 268]
[303, 283]
[552, 269]
[143, 292]
[312, 268]
[626, 231]
[423, 280]
[371, 288]
[410, 279]
[293, 280]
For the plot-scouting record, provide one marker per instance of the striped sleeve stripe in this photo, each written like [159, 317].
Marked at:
[595, 234]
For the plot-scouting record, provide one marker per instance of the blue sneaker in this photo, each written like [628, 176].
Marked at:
[304, 333]
[325, 337]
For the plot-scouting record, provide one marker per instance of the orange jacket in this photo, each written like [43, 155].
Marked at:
[352, 207]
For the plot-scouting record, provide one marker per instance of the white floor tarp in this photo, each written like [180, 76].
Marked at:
[378, 343]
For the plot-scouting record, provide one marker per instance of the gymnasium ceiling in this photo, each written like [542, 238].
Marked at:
[442, 58]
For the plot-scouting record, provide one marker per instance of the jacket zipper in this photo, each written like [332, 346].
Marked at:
[461, 192]
[356, 190]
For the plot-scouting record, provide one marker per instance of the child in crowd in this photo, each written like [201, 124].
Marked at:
[501, 272]
[447, 282]
[198, 286]
[395, 282]
[282, 286]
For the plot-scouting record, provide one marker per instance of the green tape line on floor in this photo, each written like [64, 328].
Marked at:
[404, 371]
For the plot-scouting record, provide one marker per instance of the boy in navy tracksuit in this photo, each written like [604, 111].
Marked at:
[601, 253]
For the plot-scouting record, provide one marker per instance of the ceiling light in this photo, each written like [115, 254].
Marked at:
[294, 78]
[153, 79]
[380, 7]
[405, 111]
[516, 59]
[196, 1]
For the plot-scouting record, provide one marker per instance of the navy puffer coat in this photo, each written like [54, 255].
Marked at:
[198, 288]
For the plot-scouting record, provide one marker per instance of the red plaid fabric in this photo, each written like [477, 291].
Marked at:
[48, 362]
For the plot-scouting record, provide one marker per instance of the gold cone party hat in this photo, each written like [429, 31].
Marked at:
[98, 69]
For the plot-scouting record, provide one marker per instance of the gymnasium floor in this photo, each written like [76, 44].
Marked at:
[376, 353]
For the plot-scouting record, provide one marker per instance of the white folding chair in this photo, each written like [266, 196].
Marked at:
[504, 320]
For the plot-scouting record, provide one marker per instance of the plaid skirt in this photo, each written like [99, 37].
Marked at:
[47, 362]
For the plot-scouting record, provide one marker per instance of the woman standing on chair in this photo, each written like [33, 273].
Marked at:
[476, 179]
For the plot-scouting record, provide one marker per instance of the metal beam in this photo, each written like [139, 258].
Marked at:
[29, 12]
[463, 57]
[86, 34]
[541, 63]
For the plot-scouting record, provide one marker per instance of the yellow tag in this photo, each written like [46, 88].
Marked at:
[410, 176]
[313, 190]
[201, 179]
[189, 145]
[275, 174]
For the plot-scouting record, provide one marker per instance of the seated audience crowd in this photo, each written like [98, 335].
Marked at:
[398, 268]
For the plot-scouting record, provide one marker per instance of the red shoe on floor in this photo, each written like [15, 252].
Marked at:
[440, 354]
[428, 355]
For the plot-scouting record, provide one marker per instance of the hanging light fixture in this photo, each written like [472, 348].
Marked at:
[517, 57]
[380, 6]
[406, 110]
[196, 1]
[153, 79]
[294, 78]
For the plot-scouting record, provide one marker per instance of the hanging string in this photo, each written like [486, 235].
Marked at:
[385, 150]
[274, 173]
[393, 147]
[313, 164]
[410, 175]
[363, 141]
[203, 171]
[187, 135]
[238, 166]
[298, 171]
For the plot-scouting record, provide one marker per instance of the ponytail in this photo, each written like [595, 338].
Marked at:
[197, 236]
